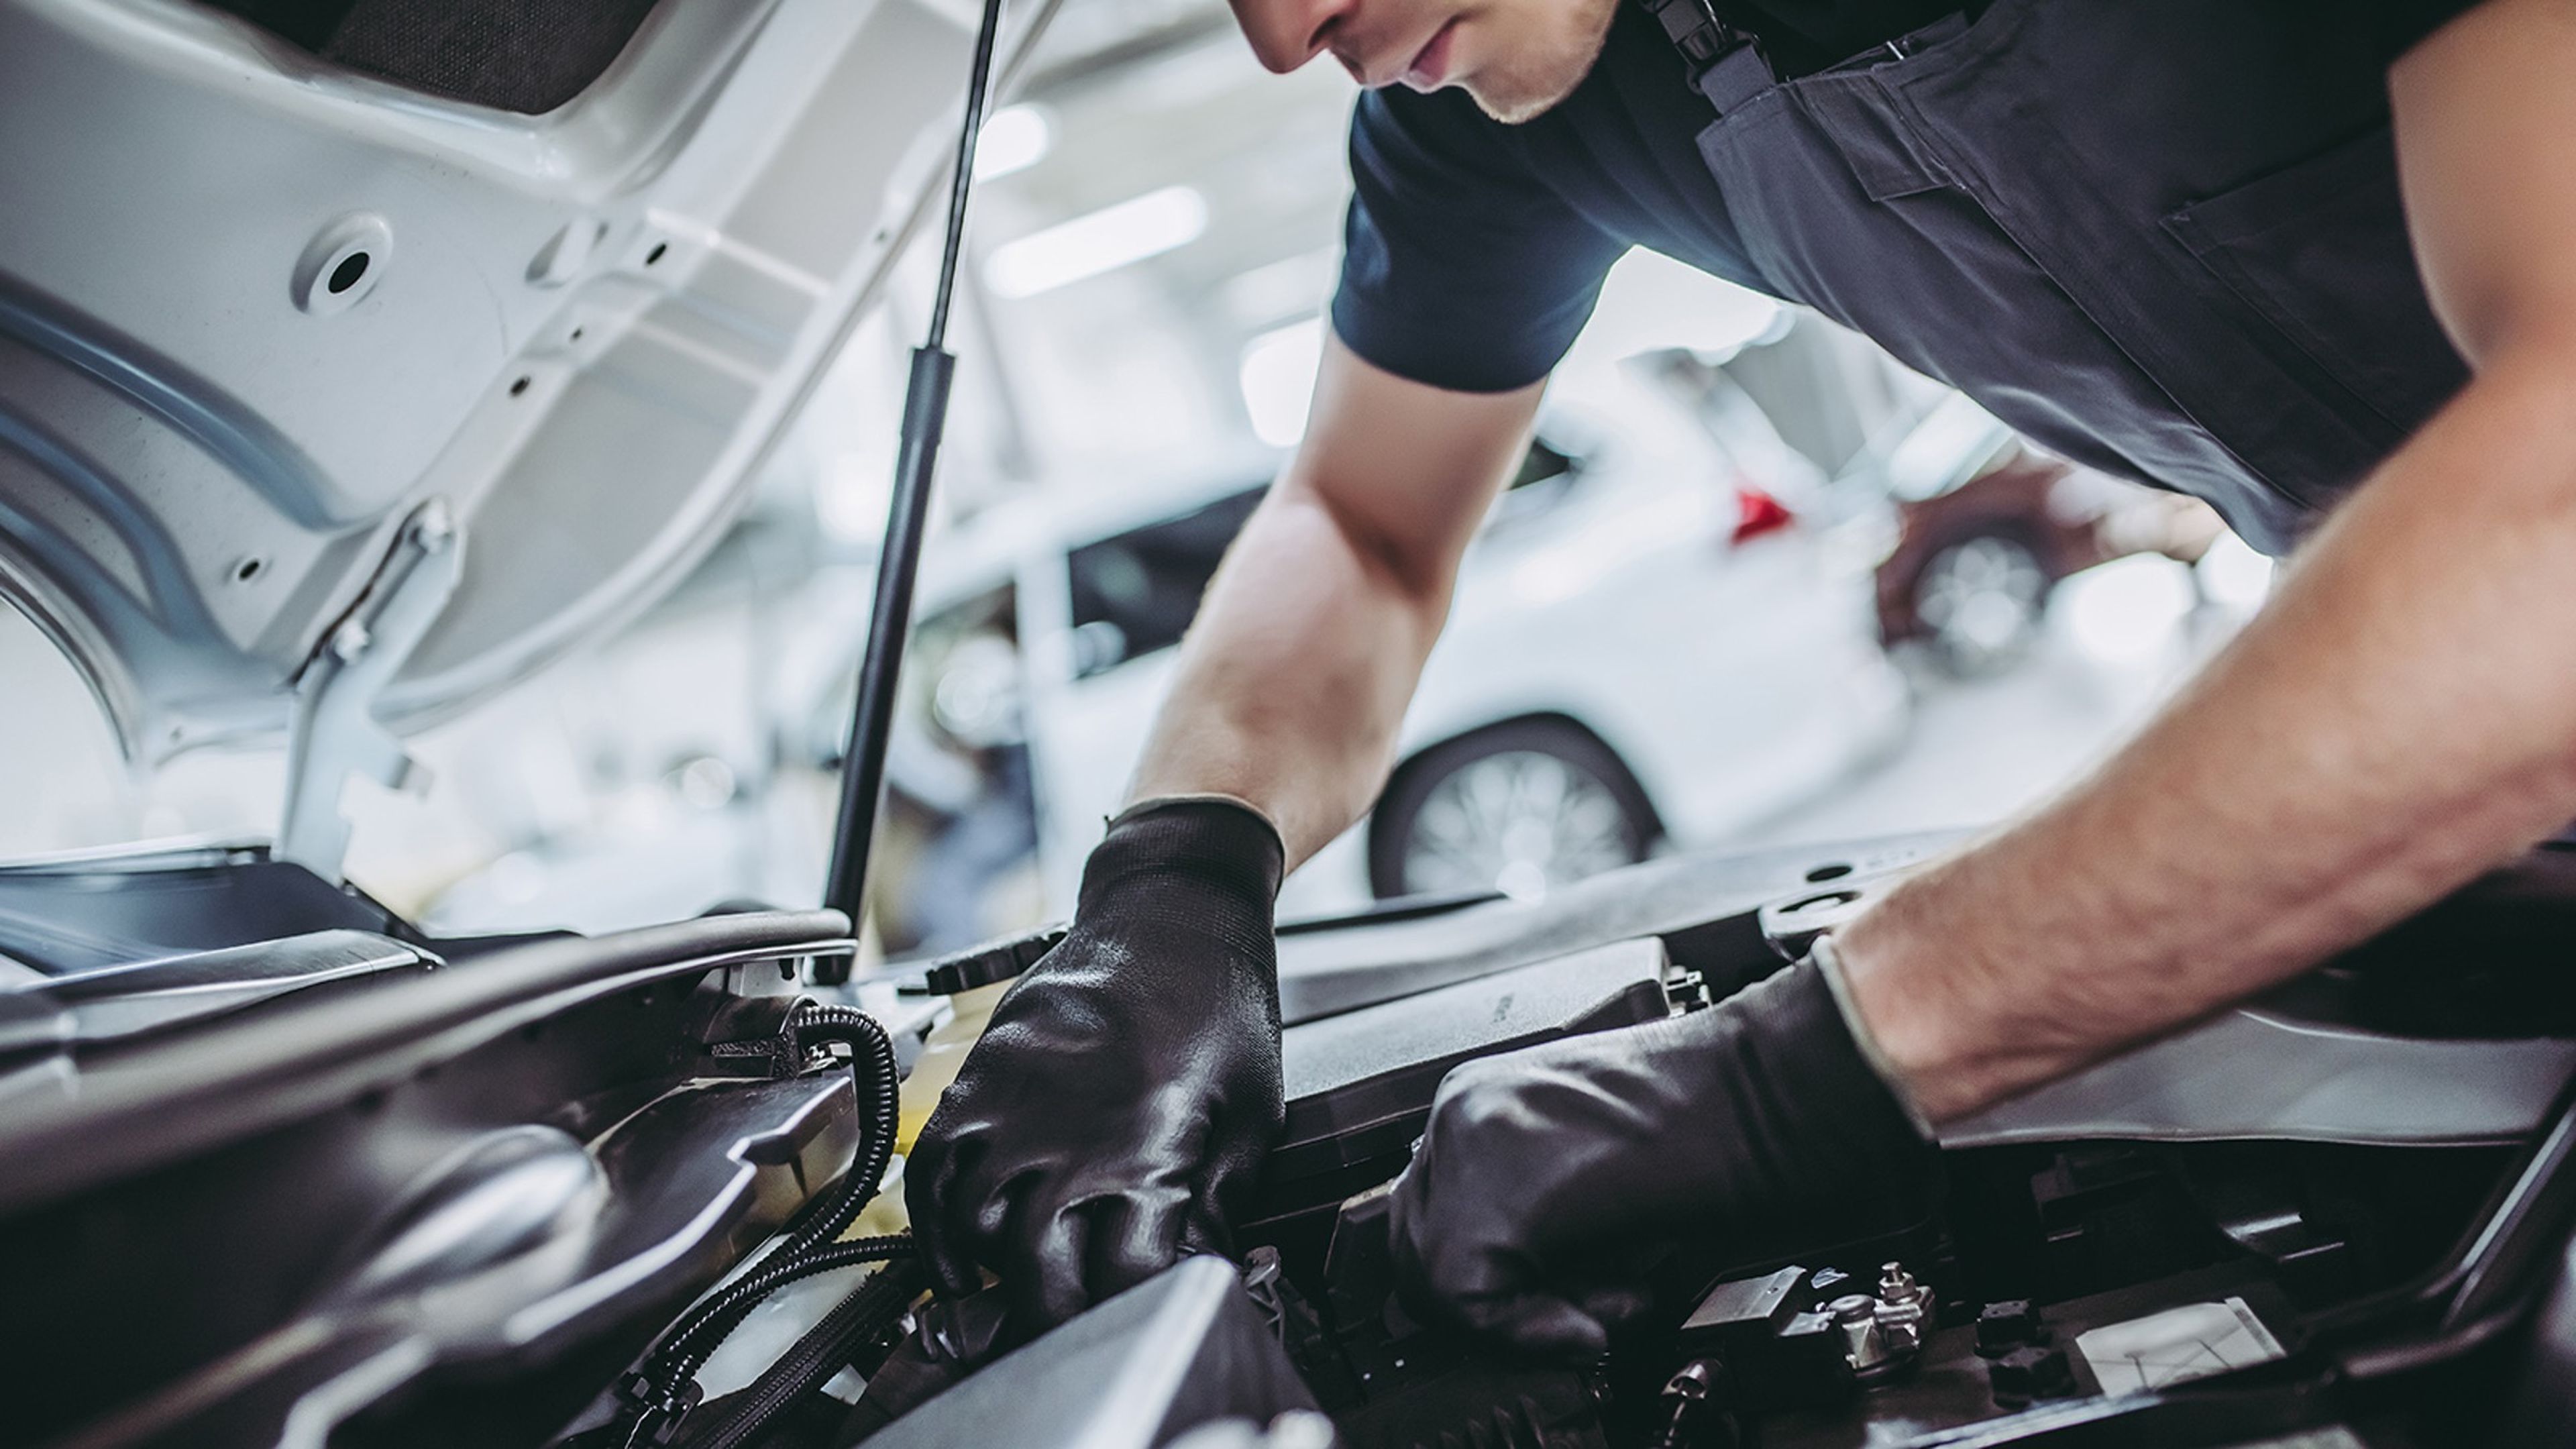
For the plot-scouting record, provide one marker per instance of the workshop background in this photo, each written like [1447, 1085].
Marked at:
[1755, 583]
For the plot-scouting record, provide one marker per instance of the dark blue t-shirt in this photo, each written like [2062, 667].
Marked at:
[1475, 250]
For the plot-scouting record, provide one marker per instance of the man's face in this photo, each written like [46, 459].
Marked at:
[1516, 58]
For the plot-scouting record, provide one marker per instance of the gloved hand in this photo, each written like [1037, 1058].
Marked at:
[1546, 1173]
[1114, 1113]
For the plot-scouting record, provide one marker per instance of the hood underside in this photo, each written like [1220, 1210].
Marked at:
[257, 311]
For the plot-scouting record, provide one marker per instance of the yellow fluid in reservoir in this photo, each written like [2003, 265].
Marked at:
[885, 1212]
[942, 1053]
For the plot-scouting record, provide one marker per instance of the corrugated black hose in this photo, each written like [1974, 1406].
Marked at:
[867, 1314]
[680, 1358]
[663, 1390]
[878, 1082]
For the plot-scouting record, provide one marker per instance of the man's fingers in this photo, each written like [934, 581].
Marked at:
[1040, 1254]
[1538, 1324]
[1132, 1238]
[965, 1330]
[953, 1276]
[1495, 1294]
[1204, 1232]
[942, 1205]
[1611, 1307]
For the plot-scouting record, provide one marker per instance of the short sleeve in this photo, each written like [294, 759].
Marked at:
[1460, 267]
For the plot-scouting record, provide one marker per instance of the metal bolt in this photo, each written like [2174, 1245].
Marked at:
[350, 640]
[1856, 1314]
[1898, 1286]
[1900, 1328]
[1902, 1307]
[433, 525]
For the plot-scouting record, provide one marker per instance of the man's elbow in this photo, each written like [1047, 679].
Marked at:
[2481, 110]
[2525, 327]
[1416, 569]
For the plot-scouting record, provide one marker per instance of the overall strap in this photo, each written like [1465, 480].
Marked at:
[1725, 63]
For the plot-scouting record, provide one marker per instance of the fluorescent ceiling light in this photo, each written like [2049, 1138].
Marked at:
[1278, 379]
[1015, 138]
[1103, 241]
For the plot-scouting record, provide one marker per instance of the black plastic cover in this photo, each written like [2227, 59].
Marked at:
[79, 913]
[121, 1004]
[1359, 1085]
[488, 1183]
[1701, 906]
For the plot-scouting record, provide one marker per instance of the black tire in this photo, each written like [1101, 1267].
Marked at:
[1985, 635]
[1434, 781]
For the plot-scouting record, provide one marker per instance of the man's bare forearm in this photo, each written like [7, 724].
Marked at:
[2401, 718]
[1295, 677]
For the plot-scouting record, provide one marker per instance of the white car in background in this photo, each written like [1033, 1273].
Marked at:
[1645, 648]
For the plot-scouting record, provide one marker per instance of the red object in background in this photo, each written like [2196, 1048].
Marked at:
[1758, 513]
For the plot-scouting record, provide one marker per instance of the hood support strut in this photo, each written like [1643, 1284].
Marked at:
[925, 419]
[332, 733]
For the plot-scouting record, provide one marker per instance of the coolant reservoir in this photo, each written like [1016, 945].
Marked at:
[942, 1053]
[973, 981]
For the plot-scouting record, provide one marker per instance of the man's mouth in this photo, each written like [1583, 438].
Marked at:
[1430, 68]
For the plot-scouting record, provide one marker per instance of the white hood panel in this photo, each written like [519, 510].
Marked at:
[581, 330]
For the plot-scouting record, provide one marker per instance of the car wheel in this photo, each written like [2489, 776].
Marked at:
[1979, 602]
[1520, 808]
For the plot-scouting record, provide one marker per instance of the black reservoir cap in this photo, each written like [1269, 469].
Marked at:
[990, 962]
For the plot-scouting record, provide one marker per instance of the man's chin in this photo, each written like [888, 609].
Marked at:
[1515, 94]
[1512, 110]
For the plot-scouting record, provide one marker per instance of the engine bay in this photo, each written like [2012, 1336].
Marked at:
[2059, 1291]
[610, 1192]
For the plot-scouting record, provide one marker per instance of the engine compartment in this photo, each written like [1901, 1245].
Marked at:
[2094, 1289]
[2047, 1277]
[383, 1190]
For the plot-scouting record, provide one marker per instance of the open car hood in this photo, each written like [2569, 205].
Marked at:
[297, 362]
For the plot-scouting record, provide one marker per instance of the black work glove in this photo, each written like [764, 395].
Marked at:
[1550, 1176]
[1113, 1115]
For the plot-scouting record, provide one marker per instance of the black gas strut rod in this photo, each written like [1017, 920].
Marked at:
[925, 418]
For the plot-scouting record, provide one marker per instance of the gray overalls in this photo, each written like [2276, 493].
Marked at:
[2161, 237]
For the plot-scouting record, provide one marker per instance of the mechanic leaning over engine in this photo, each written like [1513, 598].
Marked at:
[2314, 262]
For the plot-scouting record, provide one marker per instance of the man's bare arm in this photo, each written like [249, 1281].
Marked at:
[2402, 716]
[1295, 677]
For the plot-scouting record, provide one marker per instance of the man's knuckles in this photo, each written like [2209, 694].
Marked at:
[1474, 1101]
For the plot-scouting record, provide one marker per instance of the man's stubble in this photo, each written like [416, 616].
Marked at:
[1565, 40]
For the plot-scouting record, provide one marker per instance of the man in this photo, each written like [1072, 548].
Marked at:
[2298, 258]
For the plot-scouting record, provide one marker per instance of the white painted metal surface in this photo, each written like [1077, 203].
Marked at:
[580, 329]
